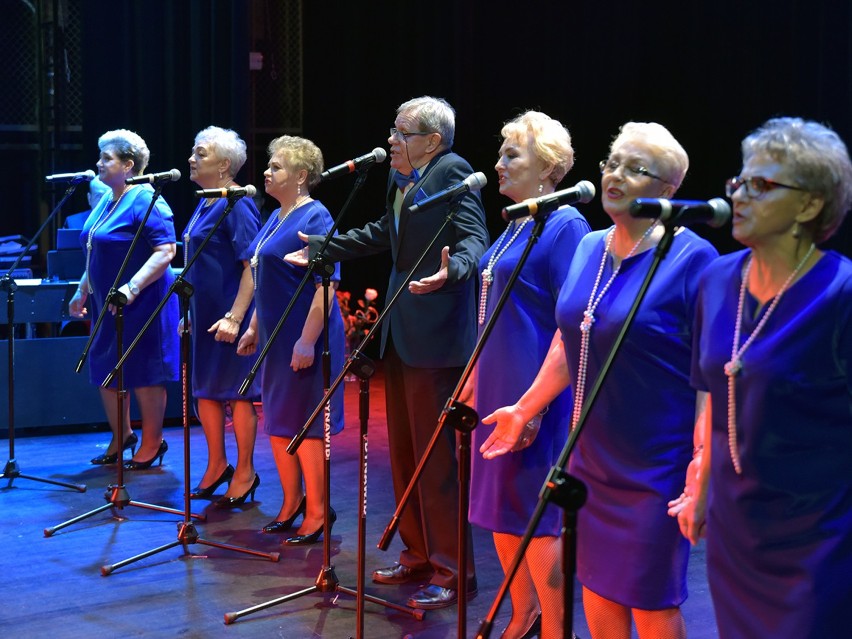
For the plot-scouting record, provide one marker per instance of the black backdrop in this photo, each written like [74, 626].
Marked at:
[710, 71]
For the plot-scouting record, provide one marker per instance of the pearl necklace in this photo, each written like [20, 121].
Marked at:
[735, 365]
[102, 218]
[255, 261]
[488, 271]
[195, 216]
[187, 232]
[589, 318]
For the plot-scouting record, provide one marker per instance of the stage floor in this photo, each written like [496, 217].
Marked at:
[54, 587]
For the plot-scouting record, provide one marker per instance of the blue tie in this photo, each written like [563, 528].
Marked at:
[403, 181]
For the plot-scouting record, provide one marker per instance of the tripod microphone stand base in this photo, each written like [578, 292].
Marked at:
[117, 497]
[12, 471]
[187, 534]
[327, 582]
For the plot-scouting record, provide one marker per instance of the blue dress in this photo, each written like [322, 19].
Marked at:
[217, 370]
[155, 358]
[636, 443]
[779, 536]
[289, 398]
[504, 489]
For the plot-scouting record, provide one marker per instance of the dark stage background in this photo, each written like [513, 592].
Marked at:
[334, 72]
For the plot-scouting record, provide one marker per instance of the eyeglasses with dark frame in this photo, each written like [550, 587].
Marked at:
[634, 170]
[755, 186]
[396, 133]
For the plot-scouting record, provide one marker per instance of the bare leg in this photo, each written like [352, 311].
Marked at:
[606, 619]
[109, 398]
[212, 416]
[290, 475]
[525, 606]
[660, 624]
[245, 432]
[152, 406]
[310, 455]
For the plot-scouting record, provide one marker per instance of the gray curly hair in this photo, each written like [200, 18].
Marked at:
[818, 159]
[127, 145]
[226, 144]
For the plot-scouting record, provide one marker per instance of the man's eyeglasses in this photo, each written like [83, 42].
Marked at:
[634, 170]
[403, 135]
[756, 186]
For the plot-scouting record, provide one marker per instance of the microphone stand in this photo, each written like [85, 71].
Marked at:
[187, 532]
[327, 580]
[464, 419]
[117, 495]
[566, 491]
[12, 470]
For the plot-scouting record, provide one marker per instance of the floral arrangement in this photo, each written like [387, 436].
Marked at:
[357, 321]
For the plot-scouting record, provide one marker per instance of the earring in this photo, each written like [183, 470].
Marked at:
[797, 230]
[540, 188]
[220, 175]
[299, 190]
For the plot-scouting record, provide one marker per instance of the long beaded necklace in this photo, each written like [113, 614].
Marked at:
[255, 261]
[194, 219]
[589, 318]
[102, 218]
[735, 365]
[488, 271]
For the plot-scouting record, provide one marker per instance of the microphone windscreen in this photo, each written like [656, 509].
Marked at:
[250, 190]
[475, 181]
[379, 154]
[587, 191]
[722, 212]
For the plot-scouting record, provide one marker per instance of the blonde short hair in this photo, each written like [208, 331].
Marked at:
[672, 160]
[551, 141]
[301, 153]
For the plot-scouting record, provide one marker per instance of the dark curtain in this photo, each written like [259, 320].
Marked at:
[709, 71]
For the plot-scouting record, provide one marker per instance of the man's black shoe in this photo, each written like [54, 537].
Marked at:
[399, 574]
[433, 596]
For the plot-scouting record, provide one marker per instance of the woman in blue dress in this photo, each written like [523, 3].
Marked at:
[773, 349]
[220, 309]
[292, 384]
[106, 238]
[534, 157]
[637, 440]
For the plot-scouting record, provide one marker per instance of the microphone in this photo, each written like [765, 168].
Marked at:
[76, 178]
[155, 178]
[232, 193]
[714, 213]
[472, 182]
[376, 156]
[581, 192]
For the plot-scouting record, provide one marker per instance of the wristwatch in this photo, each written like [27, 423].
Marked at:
[133, 288]
[233, 318]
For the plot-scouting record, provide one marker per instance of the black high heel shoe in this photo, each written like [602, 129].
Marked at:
[144, 465]
[207, 493]
[130, 442]
[232, 502]
[311, 538]
[275, 527]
